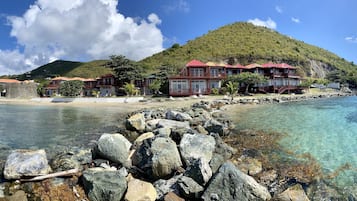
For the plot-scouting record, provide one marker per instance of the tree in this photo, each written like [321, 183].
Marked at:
[130, 89]
[125, 69]
[41, 87]
[232, 88]
[155, 86]
[71, 88]
[248, 79]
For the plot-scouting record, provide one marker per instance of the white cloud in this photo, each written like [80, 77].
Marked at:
[296, 20]
[278, 9]
[77, 30]
[180, 5]
[269, 23]
[351, 39]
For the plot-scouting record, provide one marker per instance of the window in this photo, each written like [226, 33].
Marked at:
[197, 72]
[214, 72]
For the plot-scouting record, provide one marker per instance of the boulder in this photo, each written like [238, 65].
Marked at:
[163, 132]
[143, 137]
[250, 166]
[165, 157]
[73, 158]
[229, 183]
[214, 126]
[166, 123]
[189, 188]
[165, 186]
[170, 196]
[17, 196]
[221, 153]
[157, 157]
[196, 146]
[179, 116]
[201, 130]
[104, 184]
[200, 171]
[27, 163]
[136, 122]
[294, 193]
[114, 147]
[140, 190]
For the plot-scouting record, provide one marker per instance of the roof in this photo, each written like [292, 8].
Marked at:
[9, 81]
[235, 66]
[72, 78]
[250, 66]
[196, 63]
[281, 65]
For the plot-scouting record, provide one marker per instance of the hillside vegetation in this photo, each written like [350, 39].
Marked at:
[91, 69]
[246, 43]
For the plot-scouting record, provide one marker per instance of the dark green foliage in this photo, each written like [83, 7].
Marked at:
[41, 86]
[247, 79]
[125, 70]
[155, 86]
[71, 88]
[91, 69]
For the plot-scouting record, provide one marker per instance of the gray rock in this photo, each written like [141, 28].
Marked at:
[163, 132]
[294, 193]
[214, 126]
[179, 116]
[136, 122]
[197, 146]
[200, 171]
[250, 166]
[26, 163]
[104, 184]
[114, 147]
[165, 123]
[189, 188]
[164, 186]
[74, 158]
[229, 183]
[157, 157]
[165, 157]
[323, 192]
[221, 154]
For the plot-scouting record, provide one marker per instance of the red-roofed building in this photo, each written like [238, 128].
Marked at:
[198, 78]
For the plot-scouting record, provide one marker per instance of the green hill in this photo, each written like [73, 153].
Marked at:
[91, 69]
[245, 43]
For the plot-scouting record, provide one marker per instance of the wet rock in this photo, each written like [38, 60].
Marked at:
[165, 186]
[229, 183]
[170, 196]
[104, 185]
[114, 147]
[197, 146]
[294, 193]
[140, 190]
[200, 171]
[74, 158]
[22, 163]
[268, 177]
[136, 122]
[322, 191]
[189, 188]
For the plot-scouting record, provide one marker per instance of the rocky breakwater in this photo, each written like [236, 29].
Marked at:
[161, 154]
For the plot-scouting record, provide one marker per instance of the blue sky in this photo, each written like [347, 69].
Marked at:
[35, 32]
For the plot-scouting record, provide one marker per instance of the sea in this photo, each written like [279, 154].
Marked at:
[324, 128]
[52, 126]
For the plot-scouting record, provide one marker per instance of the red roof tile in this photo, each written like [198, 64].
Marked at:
[250, 66]
[9, 81]
[281, 65]
[196, 63]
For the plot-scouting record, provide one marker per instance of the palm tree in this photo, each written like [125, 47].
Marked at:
[232, 88]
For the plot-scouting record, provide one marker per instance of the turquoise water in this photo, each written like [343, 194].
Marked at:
[325, 128]
[33, 127]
